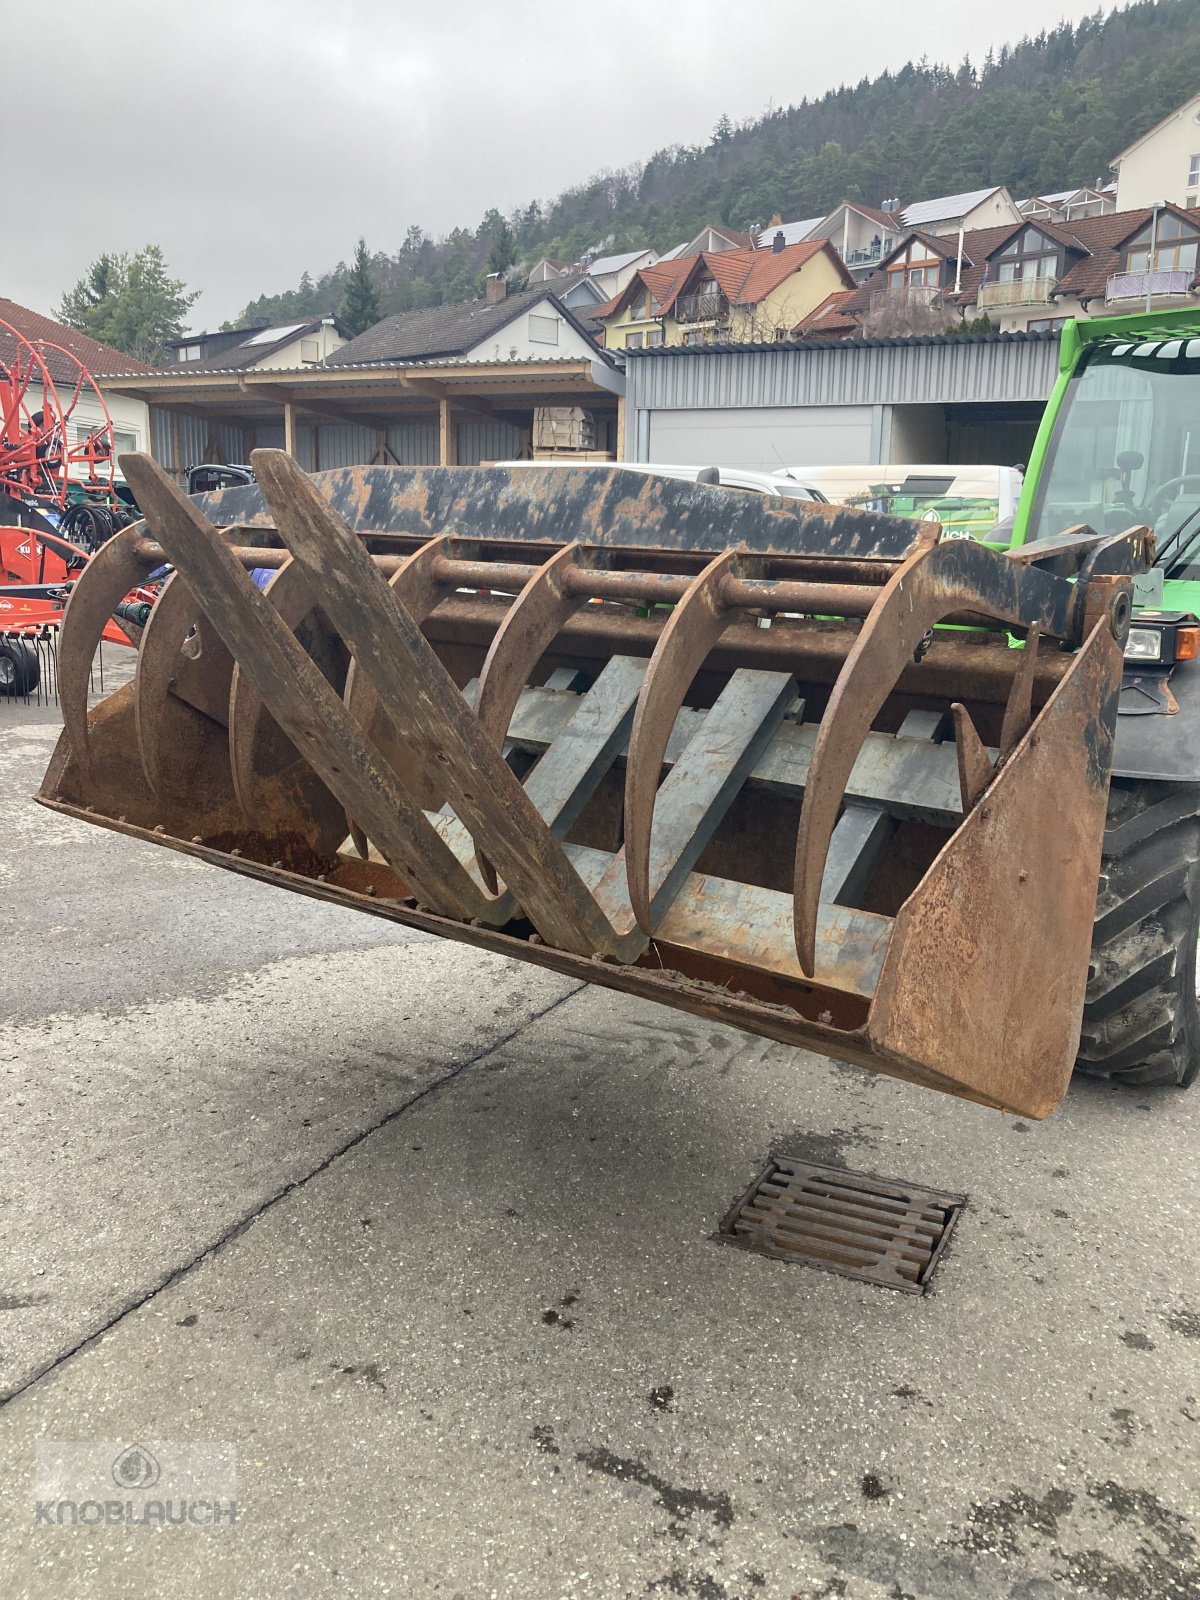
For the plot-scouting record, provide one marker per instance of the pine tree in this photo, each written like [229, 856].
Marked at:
[504, 247]
[359, 309]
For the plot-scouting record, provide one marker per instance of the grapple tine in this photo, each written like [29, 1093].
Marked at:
[975, 770]
[392, 651]
[1018, 712]
[537, 614]
[108, 577]
[271, 778]
[159, 661]
[694, 626]
[420, 590]
[936, 582]
[299, 698]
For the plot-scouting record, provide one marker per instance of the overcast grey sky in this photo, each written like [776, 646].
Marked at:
[252, 139]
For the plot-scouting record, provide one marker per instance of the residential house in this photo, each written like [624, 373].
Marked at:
[793, 232]
[305, 343]
[1164, 164]
[610, 274]
[544, 270]
[531, 324]
[130, 419]
[740, 295]
[712, 239]
[861, 235]
[1069, 205]
[1026, 277]
[952, 213]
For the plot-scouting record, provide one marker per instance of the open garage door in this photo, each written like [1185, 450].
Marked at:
[764, 438]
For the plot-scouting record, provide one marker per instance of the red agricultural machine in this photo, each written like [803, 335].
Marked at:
[58, 500]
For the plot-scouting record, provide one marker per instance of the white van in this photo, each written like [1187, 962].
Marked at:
[792, 487]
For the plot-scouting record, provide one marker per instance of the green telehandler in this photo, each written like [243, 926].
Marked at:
[1119, 443]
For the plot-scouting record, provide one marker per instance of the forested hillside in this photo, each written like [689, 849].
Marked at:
[1039, 115]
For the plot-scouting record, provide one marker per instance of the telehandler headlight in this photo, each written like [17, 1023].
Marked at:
[1161, 638]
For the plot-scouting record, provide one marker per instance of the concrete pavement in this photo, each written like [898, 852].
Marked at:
[424, 1235]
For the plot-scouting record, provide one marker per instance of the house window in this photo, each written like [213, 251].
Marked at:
[1174, 249]
[653, 336]
[695, 337]
[1194, 173]
[310, 350]
[1030, 255]
[1190, 203]
[915, 268]
[1047, 325]
[188, 352]
[633, 341]
[543, 330]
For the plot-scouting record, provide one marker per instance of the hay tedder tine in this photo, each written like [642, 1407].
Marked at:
[297, 695]
[692, 629]
[936, 582]
[412, 681]
[108, 577]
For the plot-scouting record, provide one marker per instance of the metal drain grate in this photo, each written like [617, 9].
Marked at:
[848, 1222]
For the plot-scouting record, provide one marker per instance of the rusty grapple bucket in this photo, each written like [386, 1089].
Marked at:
[691, 743]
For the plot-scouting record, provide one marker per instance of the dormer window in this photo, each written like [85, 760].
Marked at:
[914, 268]
[1027, 257]
[1174, 246]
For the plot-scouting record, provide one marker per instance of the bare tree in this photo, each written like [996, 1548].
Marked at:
[908, 313]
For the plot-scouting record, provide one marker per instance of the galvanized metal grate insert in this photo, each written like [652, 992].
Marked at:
[864, 1227]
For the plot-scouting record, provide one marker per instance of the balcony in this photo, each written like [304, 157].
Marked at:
[1021, 292]
[708, 306]
[1137, 285]
[868, 256]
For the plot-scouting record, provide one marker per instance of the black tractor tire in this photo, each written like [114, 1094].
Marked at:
[1141, 1024]
[19, 669]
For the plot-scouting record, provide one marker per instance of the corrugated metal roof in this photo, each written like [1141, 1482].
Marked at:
[1035, 336]
[935, 369]
[275, 374]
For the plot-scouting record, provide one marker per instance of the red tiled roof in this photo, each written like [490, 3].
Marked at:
[827, 317]
[96, 357]
[1102, 238]
[745, 277]
[748, 276]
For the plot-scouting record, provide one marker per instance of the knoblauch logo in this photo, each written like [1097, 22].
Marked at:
[175, 1485]
[135, 1468]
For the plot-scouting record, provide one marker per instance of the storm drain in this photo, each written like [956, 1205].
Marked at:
[848, 1222]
